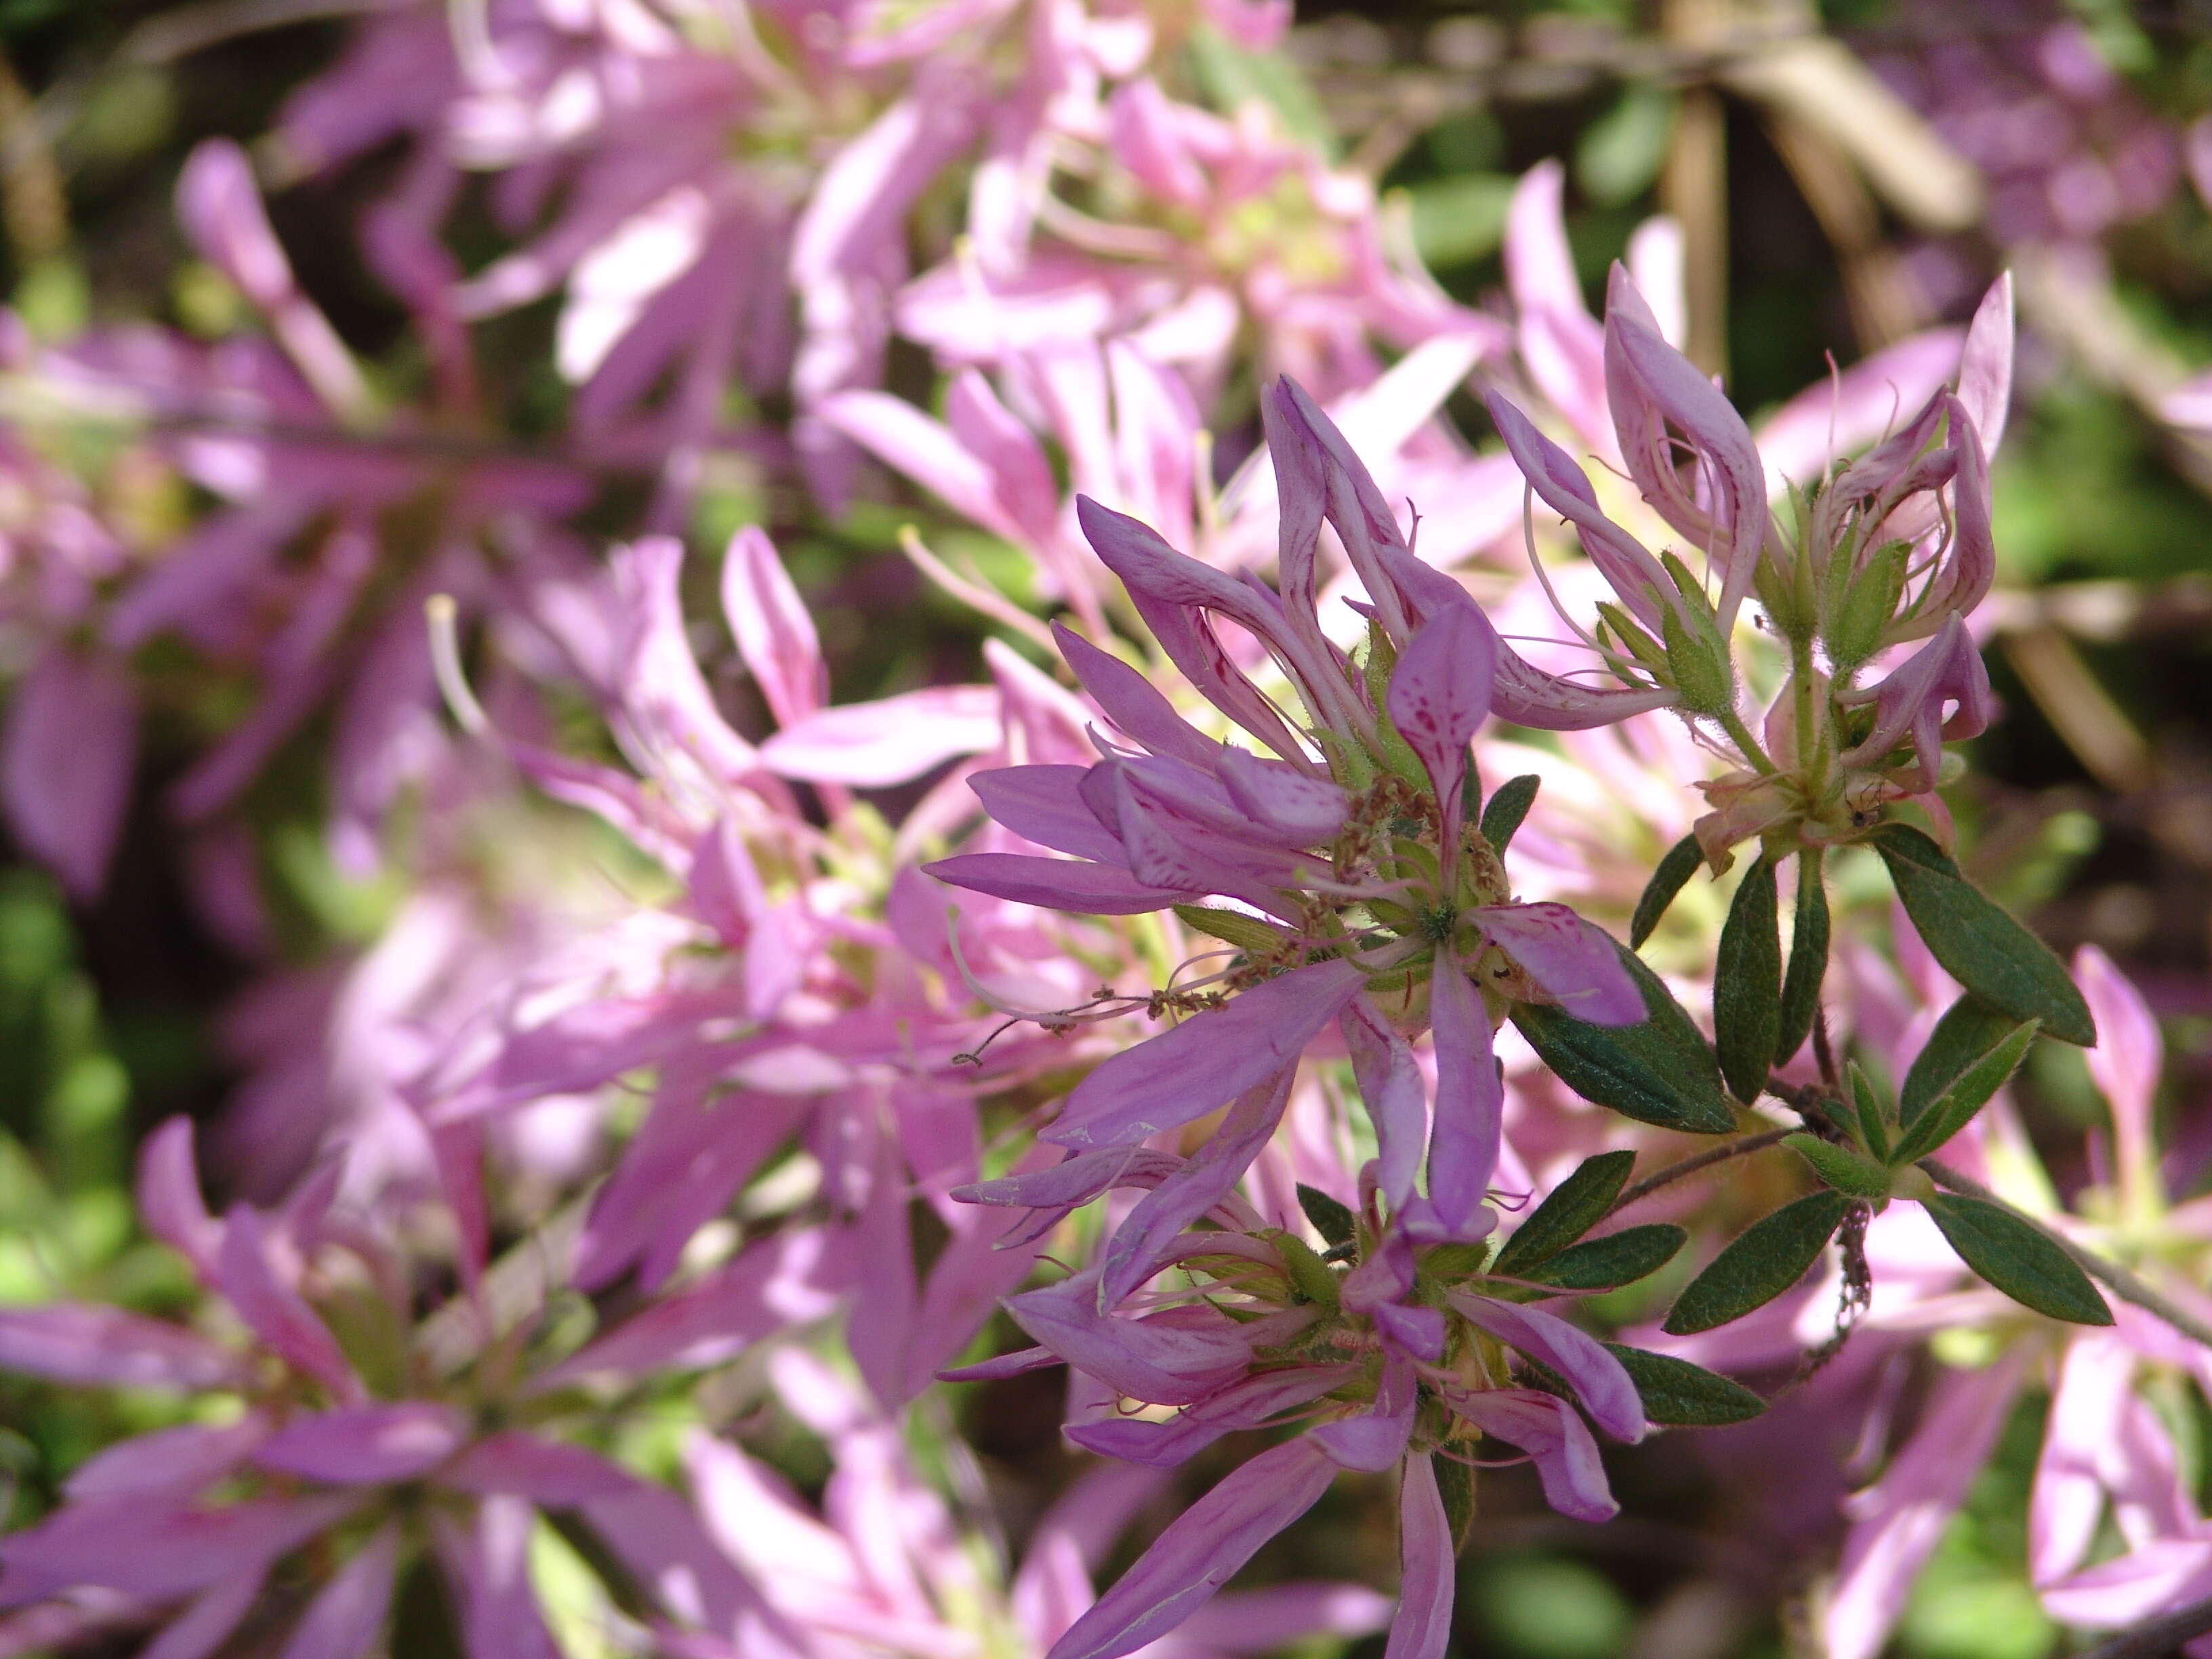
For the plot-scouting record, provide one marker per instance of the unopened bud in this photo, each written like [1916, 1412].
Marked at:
[1855, 626]
[1696, 656]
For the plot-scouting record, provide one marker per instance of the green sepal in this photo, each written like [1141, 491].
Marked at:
[1978, 942]
[1698, 663]
[1310, 1274]
[1759, 1263]
[1641, 646]
[1840, 1167]
[1747, 985]
[1867, 604]
[1674, 871]
[2017, 1259]
[1967, 1094]
[1455, 1485]
[1508, 805]
[1678, 1393]
[1248, 933]
[1660, 1071]
[1331, 1220]
[1808, 958]
[1617, 1259]
[1572, 1209]
[1969, 1028]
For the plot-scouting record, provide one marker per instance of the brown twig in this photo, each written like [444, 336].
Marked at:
[1704, 1160]
[2115, 1278]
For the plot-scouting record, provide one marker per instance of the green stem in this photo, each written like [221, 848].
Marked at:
[2115, 1278]
[1732, 723]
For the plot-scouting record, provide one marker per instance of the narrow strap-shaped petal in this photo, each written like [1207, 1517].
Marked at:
[774, 632]
[1463, 1143]
[347, 1615]
[1044, 804]
[275, 1312]
[1440, 694]
[1428, 1566]
[76, 1342]
[1375, 1438]
[365, 1444]
[1549, 1431]
[1561, 484]
[1600, 1382]
[1205, 1179]
[1245, 1404]
[2126, 1062]
[1573, 959]
[1199, 1551]
[1157, 1360]
[169, 1202]
[1073, 884]
[1132, 701]
[1208, 1060]
[1396, 1099]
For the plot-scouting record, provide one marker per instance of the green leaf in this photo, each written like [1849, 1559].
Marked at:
[1954, 1108]
[1246, 933]
[1748, 985]
[1762, 1262]
[1675, 1392]
[1619, 153]
[1873, 1122]
[1970, 1027]
[1459, 220]
[1660, 1072]
[1840, 1167]
[1508, 805]
[1617, 1259]
[2018, 1259]
[1455, 1485]
[1674, 870]
[1978, 943]
[1331, 1220]
[1808, 958]
[1572, 1209]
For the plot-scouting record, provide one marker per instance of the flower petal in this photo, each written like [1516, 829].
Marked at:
[1573, 959]
[1428, 1566]
[1600, 1382]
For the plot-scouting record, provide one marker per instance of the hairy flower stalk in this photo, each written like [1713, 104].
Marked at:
[1362, 888]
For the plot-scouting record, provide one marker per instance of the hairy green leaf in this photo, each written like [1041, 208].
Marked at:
[1873, 1121]
[1676, 1392]
[1572, 1209]
[1808, 959]
[1617, 1259]
[1660, 1072]
[1747, 985]
[1840, 1167]
[1674, 870]
[1762, 1262]
[1967, 1093]
[1969, 1028]
[1978, 944]
[1508, 805]
[2018, 1260]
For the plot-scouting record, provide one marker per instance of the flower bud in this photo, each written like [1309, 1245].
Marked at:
[1853, 628]
[1697, 654]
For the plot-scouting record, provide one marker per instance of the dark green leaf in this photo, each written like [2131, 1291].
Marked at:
[1573, 1207]
[1660, 1072]
[1764, 1261]
[1621, 1258]
[1455, 1485]
[1330, 1218]
[1954, 1108]
[1841, 1168]
[1978, 943]
[1873, 1121]
[1748, 985]
[1808, 959]
[1675, 869]
[1969, 1028]
[2018, 1260]
[1676, 1392]
[1508, 805]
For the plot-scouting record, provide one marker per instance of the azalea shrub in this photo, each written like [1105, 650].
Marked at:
[968, 830]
